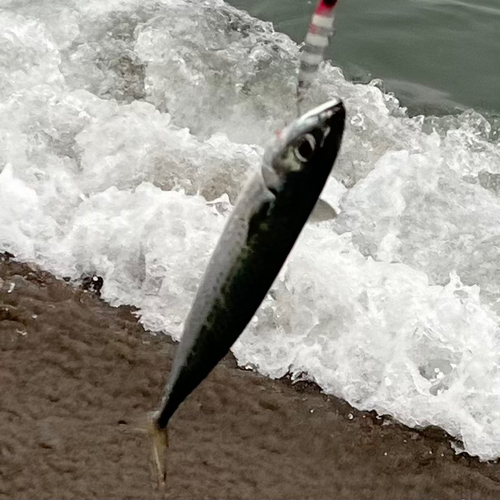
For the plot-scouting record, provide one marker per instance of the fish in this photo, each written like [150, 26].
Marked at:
[316, 41]
[264, 225]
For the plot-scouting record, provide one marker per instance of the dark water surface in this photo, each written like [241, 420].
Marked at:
[435, 55]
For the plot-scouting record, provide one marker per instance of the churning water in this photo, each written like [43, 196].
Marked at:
[126, 129]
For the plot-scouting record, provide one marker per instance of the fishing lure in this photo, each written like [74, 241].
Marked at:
[317, 39]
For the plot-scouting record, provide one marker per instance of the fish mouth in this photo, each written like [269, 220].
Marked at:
[324, 112]
[328, 117]
[325, 122]
[331, 119]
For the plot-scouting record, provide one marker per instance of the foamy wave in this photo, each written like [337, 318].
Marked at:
[127, 129]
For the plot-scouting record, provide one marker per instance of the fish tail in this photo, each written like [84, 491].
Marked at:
[159, 438]
[317, 39]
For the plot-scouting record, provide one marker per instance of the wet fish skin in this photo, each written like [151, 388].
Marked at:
[261, 231]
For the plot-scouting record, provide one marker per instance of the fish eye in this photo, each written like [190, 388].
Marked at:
[305, 148]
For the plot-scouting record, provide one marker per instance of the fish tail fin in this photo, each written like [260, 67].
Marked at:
[159, 438]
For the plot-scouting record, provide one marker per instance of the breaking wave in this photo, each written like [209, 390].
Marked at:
[127, 128]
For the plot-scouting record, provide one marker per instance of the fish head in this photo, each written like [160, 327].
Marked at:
[309, 145]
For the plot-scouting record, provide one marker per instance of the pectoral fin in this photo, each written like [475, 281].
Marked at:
[257, 219]
[322, 211]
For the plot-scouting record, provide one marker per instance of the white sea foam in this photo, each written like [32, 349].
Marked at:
[126, 130]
